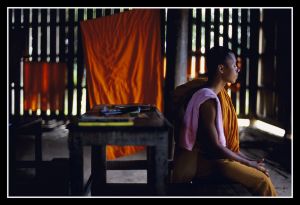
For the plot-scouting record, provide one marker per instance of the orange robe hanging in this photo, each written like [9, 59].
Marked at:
[44, 82]
[124, 62]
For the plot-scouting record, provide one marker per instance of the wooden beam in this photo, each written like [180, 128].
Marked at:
[177, 51]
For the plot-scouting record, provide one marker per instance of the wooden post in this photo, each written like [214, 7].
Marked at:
[284, 68]
[177, 51]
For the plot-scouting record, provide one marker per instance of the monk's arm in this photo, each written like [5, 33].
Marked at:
[207, 118]
[248, 158]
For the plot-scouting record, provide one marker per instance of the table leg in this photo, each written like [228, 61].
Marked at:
[98, 164]
[161, 164]
[76, 164]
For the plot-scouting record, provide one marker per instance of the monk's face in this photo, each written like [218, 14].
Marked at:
[230, 69]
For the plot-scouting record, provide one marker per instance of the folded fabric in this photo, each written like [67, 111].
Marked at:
[188, 131]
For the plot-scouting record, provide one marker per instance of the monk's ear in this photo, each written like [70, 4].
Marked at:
[221, 68]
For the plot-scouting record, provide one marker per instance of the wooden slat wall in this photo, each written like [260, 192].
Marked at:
[45, 25]
[68, 24]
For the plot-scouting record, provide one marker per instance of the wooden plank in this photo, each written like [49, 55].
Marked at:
[225, 27]
[53, 35]
[70, 61]
[76, 165]
[116, 11]
[207, 31]
[254, 39]
[242, 74]
[127, 165]
[162, 30]
[234, 29]
[11, 73]
[26, 28]
[198, 40]
[34, 34]
[234, 44]
[16, 64]
[89, 13]
[80, 62]
[189, 44]
[98, 164]
[62, 36]
[98, 12]
[176, 52]
[284, 67]
[26, 54]
[216, 27]
[43, 24]
[107, 12]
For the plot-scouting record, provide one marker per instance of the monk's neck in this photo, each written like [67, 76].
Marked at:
[216, 86]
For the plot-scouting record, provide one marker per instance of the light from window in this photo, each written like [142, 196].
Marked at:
[74, 106]
[243, 122]
[277, 131]
[66, 102]
[194, 38]
[247, 102]
[83, 101]
[202, 65]
[193, 67]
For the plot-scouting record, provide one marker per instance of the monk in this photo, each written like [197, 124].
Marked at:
[206, 130]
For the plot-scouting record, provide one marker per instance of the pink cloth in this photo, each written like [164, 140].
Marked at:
[188, 131]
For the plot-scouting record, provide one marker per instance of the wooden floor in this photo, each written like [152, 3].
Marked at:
[257, 144]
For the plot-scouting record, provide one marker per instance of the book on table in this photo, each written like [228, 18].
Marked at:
[118, 115]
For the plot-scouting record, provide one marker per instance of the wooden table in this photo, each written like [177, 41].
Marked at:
[151, 131]
[24, 126]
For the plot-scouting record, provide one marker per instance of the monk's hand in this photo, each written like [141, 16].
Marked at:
[260, 160]
[259, 166]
